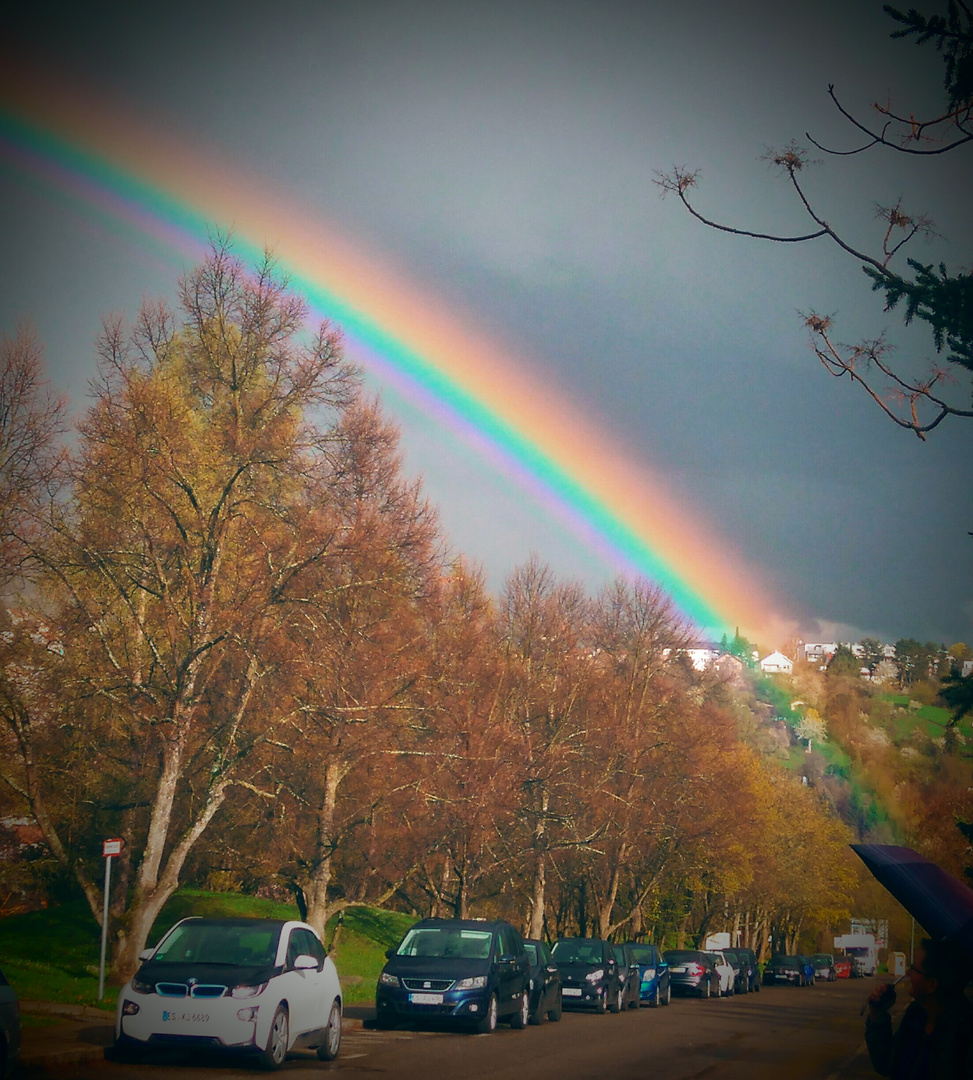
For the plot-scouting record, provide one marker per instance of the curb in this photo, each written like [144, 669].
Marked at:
[62, 1046]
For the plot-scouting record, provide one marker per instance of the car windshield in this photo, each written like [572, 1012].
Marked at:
[822, 958]
[643, 954]
[531, 949]
[786, 961]
[441, 943]
[201, 942]
[677, 957]
[577, 951]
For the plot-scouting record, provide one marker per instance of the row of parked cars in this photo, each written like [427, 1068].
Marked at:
[264, 987]
[801, 970]
[483, 973]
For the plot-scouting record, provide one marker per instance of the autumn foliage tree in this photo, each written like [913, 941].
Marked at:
[184, 539]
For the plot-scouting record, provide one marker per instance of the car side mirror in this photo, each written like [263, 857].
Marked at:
[305, 962]
[389, 953]
[146, 954]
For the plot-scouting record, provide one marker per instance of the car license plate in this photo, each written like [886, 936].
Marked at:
[571, 991]
[426, 999]
[184, 1017]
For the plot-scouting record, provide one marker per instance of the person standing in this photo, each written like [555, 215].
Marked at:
[934, 1039]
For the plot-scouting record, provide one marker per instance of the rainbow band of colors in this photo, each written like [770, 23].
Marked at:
[178, 196]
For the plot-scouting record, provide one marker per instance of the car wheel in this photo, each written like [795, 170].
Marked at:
[601, 1005]
[705, 990]
[555, 1013]
[328, 1050]
[537, 1015]
[273, 1056]
[654, 1000]
[616, 1005]
[489, 1022]
[521, 1017]
[668, 994]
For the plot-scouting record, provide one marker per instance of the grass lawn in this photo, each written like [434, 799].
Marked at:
[53, 955]
[928, 721]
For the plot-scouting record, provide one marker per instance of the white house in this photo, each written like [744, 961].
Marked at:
[777, 663]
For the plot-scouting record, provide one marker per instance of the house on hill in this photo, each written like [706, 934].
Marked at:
[777, 663]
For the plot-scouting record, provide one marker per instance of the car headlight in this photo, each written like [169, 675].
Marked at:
[474, 982]
[385, 979]
[248, 1015]
[595, 976]
[649, 973]
[129, 1008]
[141, 986]
[248, 991]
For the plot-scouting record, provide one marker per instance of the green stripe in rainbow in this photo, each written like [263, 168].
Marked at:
[177, 197]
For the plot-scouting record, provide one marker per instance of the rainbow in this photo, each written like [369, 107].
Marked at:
[176, 195]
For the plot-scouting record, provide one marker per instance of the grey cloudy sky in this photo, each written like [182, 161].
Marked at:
[503, 155]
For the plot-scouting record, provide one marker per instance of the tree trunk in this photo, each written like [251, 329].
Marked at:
[538, 892]
[316, 889]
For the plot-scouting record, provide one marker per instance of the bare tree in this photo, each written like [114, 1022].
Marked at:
[915, 400]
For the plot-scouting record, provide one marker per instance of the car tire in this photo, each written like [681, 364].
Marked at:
[668, 997]
[655, 999]
[521, 1018]
[601, 1005]
[616, 1005]
[328, 1050]
[272, 1056]
[705, 992]
[555, 1013]
[488, 1025]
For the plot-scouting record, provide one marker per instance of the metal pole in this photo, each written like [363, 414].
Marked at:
[104, 929]
[912, 945]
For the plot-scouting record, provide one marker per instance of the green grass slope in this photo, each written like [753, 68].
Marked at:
[53, 955]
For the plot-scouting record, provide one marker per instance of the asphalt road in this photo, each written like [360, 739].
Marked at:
[783, 1033]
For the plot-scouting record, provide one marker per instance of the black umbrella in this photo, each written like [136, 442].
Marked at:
[940, 903]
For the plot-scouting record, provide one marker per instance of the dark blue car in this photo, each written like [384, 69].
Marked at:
[459, 971]
[654, 981]
[589, 974]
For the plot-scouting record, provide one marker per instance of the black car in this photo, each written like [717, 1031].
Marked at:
[456, 971]
[692, 972]
[629, 976]
[589, 974]
[9, 1028]
[823, 964]
[753, 968]
[785, 969]
[545, 982]
[654, 985]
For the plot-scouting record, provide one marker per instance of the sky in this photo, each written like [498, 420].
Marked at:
[501, 159]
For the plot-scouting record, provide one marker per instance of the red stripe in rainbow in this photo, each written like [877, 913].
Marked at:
[175, 193]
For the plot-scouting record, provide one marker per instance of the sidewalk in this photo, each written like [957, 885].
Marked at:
[80, 1033]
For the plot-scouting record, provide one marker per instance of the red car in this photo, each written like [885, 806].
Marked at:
[842, 968]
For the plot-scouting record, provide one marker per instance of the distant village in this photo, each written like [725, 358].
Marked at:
[713, 656]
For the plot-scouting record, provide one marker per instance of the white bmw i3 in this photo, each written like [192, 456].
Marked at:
[260, 987]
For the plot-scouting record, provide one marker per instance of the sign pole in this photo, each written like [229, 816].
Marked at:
[104, 929]
[108, 849]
